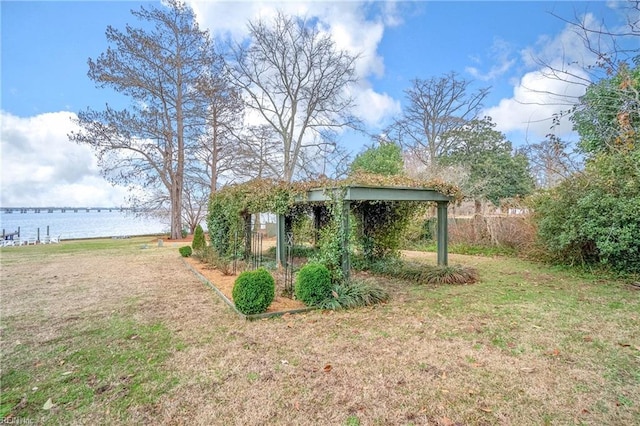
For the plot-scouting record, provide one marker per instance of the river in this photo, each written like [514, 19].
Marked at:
[81, 224]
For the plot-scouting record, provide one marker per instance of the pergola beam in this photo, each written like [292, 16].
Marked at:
[376, 193]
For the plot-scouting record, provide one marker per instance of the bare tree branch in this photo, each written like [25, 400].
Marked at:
[295, 79]
[436, 106]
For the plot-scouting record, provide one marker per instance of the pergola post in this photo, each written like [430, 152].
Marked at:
[247, 235]
[280, 241]
[443, 237]
[317, 216]
[346, 262]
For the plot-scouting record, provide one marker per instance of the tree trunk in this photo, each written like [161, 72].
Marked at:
[178, 182]
[478, 223]
[176, 216]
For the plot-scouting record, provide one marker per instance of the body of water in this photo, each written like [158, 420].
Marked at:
[81, 224]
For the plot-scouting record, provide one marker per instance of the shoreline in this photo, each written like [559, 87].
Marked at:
[164, 237]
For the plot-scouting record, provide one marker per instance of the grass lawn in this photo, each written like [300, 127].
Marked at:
[120, 331]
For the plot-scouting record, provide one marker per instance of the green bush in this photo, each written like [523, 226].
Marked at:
[313, 284]
[253, 291]
[185, 251]
[418, 233]
[198, 242]
[428, 230]
[296, 251]
[381, 226]
[592, 218]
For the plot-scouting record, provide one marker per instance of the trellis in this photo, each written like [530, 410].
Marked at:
[358, 193]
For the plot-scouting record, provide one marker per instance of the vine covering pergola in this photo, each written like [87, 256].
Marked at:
[380, 206]
[373, 201]
[358, 193]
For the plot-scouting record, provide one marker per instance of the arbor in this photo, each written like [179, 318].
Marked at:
[296, 80]
[494, 171]
[436, 106]
[157, 66]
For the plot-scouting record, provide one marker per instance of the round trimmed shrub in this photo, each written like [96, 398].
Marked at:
[253, 291]
[185, 251]
[313, 284]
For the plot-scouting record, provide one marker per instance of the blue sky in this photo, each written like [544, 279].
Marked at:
[45, 47]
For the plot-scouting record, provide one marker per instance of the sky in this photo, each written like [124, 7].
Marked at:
[45, 47]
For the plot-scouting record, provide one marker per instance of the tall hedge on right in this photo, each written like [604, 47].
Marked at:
[593, 217]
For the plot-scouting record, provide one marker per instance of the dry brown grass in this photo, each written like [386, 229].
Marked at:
[525, 346]
[515, 232]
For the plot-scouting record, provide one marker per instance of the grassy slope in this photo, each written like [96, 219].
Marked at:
[145, 341]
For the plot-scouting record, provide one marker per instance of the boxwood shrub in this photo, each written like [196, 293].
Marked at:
[185, 251]
[253, 291]
[313, 284]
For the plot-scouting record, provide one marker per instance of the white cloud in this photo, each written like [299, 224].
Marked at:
[356, 27]
[375, 108]
[536, 98]
[501, 54]
[41, 167]
[557, 78]
[567, 48]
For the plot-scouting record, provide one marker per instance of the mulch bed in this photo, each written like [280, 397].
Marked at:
[224, 283]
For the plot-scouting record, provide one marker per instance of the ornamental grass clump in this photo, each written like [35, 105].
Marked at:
[419, 273]
[353, 294]
[253, 291]
[313, 284]
[456, 274]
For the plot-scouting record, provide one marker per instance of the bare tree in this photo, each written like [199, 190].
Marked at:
[296, 80]
[552, 161]
[327, 160]
[157, 67]
[611, 48]
[435, 107]
[194, 204]
[217, 150]
[258, 155]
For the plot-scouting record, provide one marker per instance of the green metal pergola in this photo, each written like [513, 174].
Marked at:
[357, 193]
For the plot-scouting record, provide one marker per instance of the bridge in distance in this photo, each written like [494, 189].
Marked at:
[64, 209]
